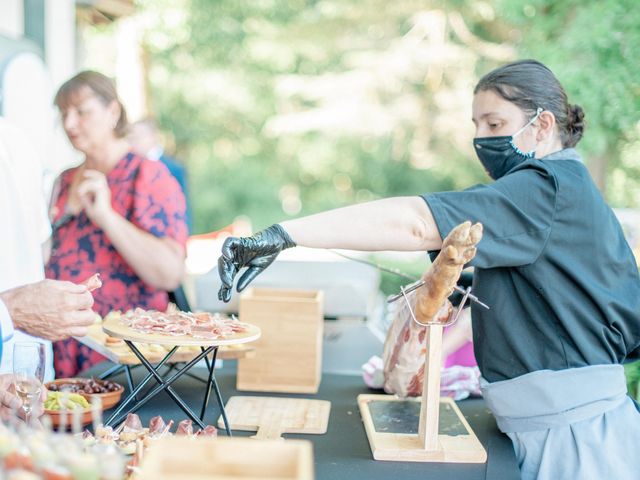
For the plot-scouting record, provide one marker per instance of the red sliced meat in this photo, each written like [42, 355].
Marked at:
[156, 425]
[133, 423]
[208, 431]
[185, 427]
[175, 323]
[93, 282]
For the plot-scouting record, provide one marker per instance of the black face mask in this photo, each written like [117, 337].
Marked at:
[499, 155]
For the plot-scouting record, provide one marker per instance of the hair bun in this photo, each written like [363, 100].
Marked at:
[575, 124]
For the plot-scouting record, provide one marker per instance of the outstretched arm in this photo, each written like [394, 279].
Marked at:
[399, 223]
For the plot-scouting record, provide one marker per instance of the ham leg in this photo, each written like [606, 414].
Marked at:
[405, 345]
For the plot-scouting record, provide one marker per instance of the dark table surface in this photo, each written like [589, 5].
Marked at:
[343, 452]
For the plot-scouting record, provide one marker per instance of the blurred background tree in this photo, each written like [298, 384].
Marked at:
[284, 108]
[593, 46]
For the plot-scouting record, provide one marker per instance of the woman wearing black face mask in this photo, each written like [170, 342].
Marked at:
[553, 264]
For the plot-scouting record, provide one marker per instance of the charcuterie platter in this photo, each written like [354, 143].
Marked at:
[115, 350]
[157, 328]
[201, 325]
[177, 329]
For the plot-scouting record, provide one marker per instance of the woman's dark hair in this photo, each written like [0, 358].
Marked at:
[530, 85]
[102, 86]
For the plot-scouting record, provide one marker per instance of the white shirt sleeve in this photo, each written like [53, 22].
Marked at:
[6, 324]
[31, 177]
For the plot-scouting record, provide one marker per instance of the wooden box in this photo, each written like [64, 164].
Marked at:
[288, 355]
[225, 458]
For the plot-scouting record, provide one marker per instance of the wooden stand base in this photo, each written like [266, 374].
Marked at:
[392, 426]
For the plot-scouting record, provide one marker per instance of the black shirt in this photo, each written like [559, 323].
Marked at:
[553, 265]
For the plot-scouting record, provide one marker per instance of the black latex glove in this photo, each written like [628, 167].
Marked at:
[256, 253]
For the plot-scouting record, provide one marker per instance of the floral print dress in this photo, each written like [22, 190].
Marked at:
[144, 192]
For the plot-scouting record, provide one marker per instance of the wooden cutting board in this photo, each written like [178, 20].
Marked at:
[273, 416]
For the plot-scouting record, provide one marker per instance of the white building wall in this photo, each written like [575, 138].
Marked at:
[129, 70]
[60, 39]
[11, 18]
[29, 81]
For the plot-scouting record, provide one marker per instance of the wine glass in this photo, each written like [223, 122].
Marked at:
[29, 359]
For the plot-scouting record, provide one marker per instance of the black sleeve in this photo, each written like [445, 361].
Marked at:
[516, 212]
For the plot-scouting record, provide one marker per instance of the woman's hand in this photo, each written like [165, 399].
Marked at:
[95, 196]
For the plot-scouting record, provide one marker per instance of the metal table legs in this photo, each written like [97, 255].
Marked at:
[164, 384]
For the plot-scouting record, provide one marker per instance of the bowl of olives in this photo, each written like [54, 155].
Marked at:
[107, 391]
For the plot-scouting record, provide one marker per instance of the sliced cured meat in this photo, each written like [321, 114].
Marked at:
[203, 325]
[208, 431]
[133, 423]
[156, 425]
[93, 282]
[185, 427]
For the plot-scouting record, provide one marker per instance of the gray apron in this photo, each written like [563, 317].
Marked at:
[573, 424]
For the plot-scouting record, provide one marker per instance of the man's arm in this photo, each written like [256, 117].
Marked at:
[49, 309]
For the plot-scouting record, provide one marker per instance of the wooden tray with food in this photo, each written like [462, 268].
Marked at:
[117, 351]
[173, 327]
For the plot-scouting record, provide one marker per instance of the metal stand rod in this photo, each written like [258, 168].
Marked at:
[219, 397]
[115, 370]
[211, 366]
[135, 391]
[166, 385]
[127, 370]
[213, 382]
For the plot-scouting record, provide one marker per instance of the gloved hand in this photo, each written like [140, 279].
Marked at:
[256, 253]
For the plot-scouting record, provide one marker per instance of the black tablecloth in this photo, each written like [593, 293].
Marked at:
[343, 452]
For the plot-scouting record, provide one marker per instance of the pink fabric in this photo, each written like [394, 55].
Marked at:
[463, 356]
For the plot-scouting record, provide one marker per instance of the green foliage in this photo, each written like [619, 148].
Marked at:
[216, 68]
[632, 372]
[389, 283]
[592, 46]
[226, 75]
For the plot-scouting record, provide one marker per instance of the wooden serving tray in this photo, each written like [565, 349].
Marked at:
[96, 339]
[115, 328]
